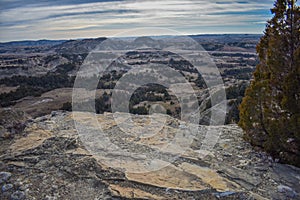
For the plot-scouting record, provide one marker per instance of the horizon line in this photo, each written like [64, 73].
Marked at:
[133, 36]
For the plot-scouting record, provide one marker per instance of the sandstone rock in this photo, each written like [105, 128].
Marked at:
[51, 161]
[169, 177]
[31, 141]
[128, 192]
[210, 177]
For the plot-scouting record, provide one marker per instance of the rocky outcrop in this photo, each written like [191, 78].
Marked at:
[11, 123]
[50, 161]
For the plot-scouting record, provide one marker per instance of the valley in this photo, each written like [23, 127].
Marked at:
[63, 135]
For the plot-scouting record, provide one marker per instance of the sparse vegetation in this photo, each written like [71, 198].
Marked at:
[234, 66]
[33, 86]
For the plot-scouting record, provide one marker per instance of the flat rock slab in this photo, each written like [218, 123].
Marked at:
[50, 161]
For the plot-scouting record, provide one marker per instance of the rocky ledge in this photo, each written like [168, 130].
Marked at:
[48, 160]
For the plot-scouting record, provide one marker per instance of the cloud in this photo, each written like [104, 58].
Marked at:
[80, 18]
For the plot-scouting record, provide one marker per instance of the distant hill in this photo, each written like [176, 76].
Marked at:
[217, 37]
[33, 43]
[50, 46]
[78, 46]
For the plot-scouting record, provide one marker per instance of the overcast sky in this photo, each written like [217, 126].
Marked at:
[66, 19]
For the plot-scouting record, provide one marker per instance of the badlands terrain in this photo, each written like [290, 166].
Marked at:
[49, 150]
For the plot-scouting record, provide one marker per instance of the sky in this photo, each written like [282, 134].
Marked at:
[71, 19]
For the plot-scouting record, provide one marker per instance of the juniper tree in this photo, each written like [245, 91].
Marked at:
[270, 111]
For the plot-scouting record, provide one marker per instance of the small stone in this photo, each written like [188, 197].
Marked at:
[7, 187]
[224, 194]
[261, 168]
[270, 159]
[53, 113]
[240, 148]
[287, 190]
[23, 187]
[18, 195]
[4, 176]
[182, 126]
[227, 154]
[50, 198]
[290, 140]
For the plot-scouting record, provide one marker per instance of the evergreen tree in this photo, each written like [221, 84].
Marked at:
[270, 111]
